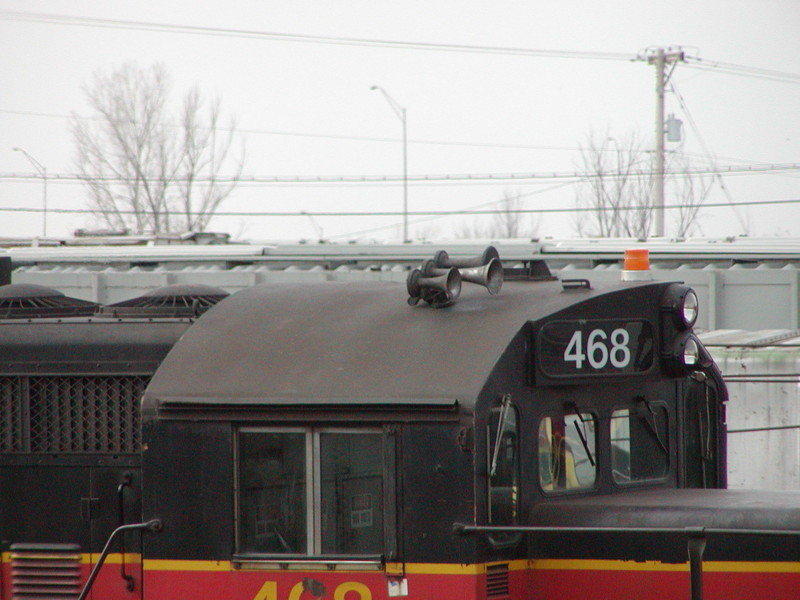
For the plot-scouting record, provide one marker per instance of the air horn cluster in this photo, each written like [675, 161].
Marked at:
[438, 281]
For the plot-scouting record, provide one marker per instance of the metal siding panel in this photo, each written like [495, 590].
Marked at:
[764, 401]
[755, 299]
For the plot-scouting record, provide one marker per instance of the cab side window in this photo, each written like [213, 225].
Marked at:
[639, 444]
[567, 452]
[310, 491]
[503, 464]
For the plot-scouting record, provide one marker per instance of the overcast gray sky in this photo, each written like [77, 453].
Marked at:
[306, 109]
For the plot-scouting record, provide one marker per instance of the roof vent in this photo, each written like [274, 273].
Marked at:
[27, 300]
[176, 300]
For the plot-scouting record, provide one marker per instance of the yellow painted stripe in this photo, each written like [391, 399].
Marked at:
[627, 565]
[476, 569]
[557, 564]
[88, 558]
[150, 564]
[116, 559]
[410, 568]
[753, 567]
[444, 569]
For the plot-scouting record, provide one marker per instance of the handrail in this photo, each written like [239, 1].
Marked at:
[153, 525]
[696, 542]
[127, 478]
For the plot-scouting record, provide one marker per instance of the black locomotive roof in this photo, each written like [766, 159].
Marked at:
[352, 344]
[86, 345]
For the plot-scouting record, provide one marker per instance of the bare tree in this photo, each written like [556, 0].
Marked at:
[690, 190]
[507, 222]
[617, 190]
[145, 170]
[205, 151]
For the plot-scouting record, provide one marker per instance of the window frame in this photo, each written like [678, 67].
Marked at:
[313, 493]
[631, 408]
[515, 467]
[596, 449]
[501, 540]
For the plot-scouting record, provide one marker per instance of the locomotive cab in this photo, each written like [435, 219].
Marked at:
[324, 439]
[553, 439]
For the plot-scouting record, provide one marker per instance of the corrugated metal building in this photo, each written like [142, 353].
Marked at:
[762, 370]
[730, 276]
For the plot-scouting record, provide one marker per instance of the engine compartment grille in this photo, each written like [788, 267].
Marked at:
[71, 414]
[497, 581]
[45, 571]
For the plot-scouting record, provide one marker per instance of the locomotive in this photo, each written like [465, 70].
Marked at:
[535, 439]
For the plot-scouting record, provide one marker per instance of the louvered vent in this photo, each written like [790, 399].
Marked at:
[497, 581]
[26, 300]
[45, 571]
[172, 300]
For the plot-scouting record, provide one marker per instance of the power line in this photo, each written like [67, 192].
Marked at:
[741, 70]
[418, 213]
[334, 136]
[437, 217]
[692, 61]
[392, 179]
[275, 132]
[718, 66]
[713, 162]
[303, 38]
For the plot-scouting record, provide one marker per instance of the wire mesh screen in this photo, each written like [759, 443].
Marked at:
[11, 435]
[98, 414]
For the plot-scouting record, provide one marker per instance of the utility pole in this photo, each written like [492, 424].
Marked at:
[660, 58]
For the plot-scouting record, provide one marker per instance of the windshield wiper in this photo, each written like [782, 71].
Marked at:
[501, 427]
[652, 425]
[581, 433]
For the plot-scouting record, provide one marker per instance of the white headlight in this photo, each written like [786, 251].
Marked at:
[689, 308]
[691, 353]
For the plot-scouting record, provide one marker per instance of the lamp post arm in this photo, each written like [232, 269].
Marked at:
[37, 165]
[396, 108]
[43, 173]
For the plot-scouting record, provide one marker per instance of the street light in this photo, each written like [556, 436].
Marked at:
[401, 114]
[43, 174]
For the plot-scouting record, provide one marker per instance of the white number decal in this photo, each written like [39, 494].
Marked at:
[620, 353]
[574, 352]
[597, 350]
[596, 345]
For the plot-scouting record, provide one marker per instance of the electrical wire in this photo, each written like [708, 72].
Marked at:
[695, 62]
[692, 61]
[395, 213]
[303, 38]
[333, 136]
[709, 154]
[426, 220]
[395, 179]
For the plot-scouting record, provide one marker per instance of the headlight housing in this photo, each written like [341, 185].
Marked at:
[684, 355]
[682, 303]
[691, 352]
